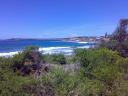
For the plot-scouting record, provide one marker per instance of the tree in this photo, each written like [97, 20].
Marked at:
[106, 35]
[118, 40]
[121, 33]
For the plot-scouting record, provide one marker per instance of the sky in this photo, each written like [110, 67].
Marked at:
[60, 18]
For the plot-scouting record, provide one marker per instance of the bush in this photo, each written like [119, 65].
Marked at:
[10, 83]
[90, 58]
[29, 61]
[55, 58]
[80, 56]
[100, 64]
[66, 84]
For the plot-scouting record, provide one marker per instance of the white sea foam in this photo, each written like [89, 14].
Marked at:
[8, 54]
[51, 50]
[47, 50]
[86, 42]
[79, 42]
[82, 42]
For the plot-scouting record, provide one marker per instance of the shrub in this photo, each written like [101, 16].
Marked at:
[66, 84]
[100, 64]
[95, 57]
[55, 58]
[28, 61]
[10, 83]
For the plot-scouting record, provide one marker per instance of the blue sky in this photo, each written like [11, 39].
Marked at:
[59, 18]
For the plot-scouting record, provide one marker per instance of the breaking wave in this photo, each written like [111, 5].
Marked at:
[48, 50]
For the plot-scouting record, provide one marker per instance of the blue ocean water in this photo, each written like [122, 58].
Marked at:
[7, 46]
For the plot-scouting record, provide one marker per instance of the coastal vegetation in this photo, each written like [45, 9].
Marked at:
[55, 58]
[118, 40]
[100, 71]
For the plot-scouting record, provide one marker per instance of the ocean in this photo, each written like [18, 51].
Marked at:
[12, 47]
